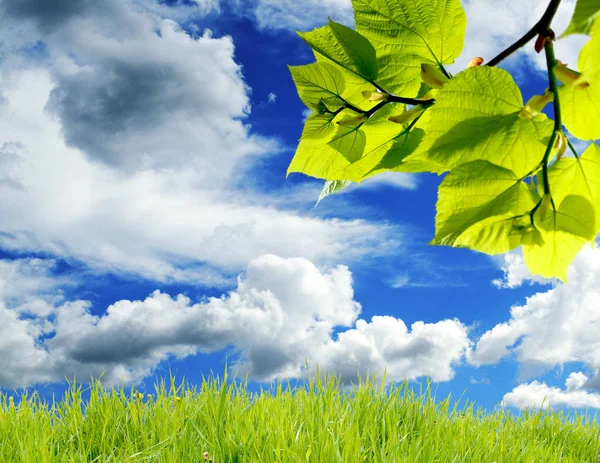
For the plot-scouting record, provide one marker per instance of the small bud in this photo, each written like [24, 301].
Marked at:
[545, 207]
[477, 61]
[560, 145]
[375, 96]
[543, 39]
[353, 121]
[427, 96]
[535, 104]
[432, 76]
[569, 77]
[408, 116]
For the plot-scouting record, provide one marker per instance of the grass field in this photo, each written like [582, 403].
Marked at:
[321, 424]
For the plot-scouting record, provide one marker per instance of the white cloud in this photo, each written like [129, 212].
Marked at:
[492, 26]
[294, 15]
[538, 395]
[127, 151]
[553, 327]
[282, 311]
[516, 271]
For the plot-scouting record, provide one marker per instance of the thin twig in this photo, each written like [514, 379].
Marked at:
[542, 26]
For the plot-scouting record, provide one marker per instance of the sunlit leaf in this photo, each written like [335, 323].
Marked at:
[407, 34]
[479, 206]
[343, 46]
[586, 11]
[563, 232]
[476, 117]
[580, 100]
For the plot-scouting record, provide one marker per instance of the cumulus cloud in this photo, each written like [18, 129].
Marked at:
[126, 150]
[516, 272]
[553, 327]
[538, 395]
[281, 312]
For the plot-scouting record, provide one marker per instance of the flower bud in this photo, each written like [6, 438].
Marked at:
[477, 61]
[375, 96]
[353, 121]
[408, 116]
[432, 76]
[535, 104]
[428, 96]
[560, 145]
[569, 77]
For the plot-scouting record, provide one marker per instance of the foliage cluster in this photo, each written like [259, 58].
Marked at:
[382, 100]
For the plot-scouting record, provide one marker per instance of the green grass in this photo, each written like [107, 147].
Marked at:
[320, 424]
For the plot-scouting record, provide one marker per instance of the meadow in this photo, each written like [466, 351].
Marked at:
[220, 423]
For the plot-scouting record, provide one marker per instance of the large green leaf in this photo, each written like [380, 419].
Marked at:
[586, 11]
[409, 33]
[570, 176]
[324, 83]
[562, 235]
[580, 100]
[476, 117]
[331, 157]
[480, 206]
[345, 47]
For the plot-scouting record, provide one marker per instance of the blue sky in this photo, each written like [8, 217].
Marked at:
[148, 224]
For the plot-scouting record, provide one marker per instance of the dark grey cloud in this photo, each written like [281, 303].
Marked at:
[282, 312]
[47, 14]
[132, 88]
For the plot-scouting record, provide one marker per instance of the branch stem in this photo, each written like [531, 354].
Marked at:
[551, 62]
[541, 27]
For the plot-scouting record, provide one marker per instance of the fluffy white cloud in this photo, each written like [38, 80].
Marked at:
[516, 272]
[537, 395]
[126, 150]
[553, 327]
[282, 311]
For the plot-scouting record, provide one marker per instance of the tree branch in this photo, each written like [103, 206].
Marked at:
[542, 27]
[412, 101]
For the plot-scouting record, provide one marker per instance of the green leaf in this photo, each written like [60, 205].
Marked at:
[586, 11]
[326, 84]
[345, 47]
[570, 176]
[349, 142]
[407, 34]
[366, 144]
[562, 235]
[480, 206]
[580, 100]
[388, 156]
[331, 187]
[476, 117]
[319, 126]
